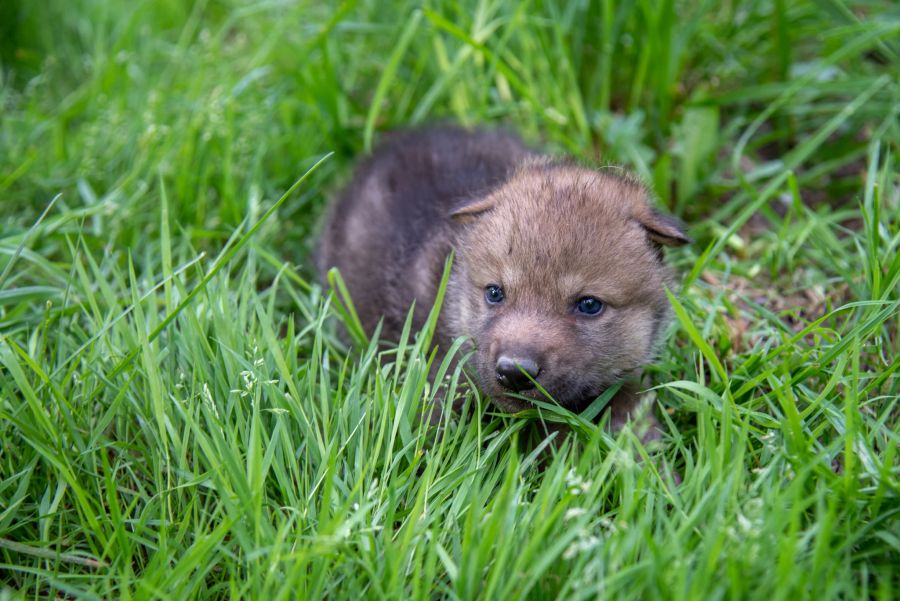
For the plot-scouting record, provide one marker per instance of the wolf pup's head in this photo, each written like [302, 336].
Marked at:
[559, 275]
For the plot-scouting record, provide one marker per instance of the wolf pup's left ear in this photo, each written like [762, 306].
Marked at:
[663, 229]
[470, 210]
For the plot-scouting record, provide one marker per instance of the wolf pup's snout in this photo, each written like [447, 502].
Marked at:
[513, 372]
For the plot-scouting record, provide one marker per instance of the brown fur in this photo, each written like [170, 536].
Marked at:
[549, 233]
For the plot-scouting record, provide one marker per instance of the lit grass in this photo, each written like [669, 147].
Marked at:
[178, 418]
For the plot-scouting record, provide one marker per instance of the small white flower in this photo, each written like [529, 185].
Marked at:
[584, 544]
[576, 484]
[573, 513]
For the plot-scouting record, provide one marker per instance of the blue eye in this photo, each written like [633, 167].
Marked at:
[589, 305]
[494, 294]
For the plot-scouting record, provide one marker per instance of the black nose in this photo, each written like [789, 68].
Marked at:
[510, 376]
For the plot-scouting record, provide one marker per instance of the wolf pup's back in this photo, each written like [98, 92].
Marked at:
[387, 232]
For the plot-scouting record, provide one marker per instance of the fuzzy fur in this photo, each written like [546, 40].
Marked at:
[548, 232]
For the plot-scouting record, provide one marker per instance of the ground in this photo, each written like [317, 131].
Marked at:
[179, 419]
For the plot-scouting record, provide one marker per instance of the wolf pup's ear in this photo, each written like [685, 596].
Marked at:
[466, 212]
[663, 229]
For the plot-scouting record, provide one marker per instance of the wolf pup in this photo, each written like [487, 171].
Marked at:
[558, 276]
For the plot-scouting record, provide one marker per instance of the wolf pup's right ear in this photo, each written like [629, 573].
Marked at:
[466, 212]
[663, 229]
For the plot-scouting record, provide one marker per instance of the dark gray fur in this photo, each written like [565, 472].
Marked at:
[425, 174]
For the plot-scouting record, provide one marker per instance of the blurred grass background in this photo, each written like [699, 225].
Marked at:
[177, 419]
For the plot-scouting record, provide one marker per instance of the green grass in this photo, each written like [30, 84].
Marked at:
[179, 420]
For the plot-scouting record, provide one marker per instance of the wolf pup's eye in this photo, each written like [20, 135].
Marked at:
[589, 305]
[493, 294]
